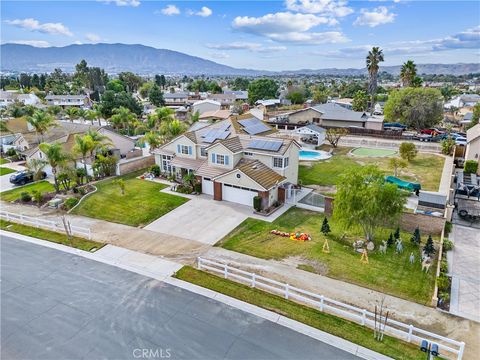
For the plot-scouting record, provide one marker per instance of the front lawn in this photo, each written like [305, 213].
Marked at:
[142, 203]
[5, 171]
[56, 237]
[14, 194]
[425, 169]
[390, 273]
[3, 161]
[329, 323]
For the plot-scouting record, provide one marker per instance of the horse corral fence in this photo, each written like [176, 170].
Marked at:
[405, 332]
[46, 224]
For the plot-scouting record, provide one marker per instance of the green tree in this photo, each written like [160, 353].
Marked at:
[360, 101]
[396, 235]
[155, 96]
[173, 128]
[92, 115]
[123, 118]
[153, 139]
[262, 89]
[419, 108]
[296, 97]
[240, 83]
[71, 112]
[131, 81]
[160, 81]
[83, 146]
[416, 238]
[116, 86]
[325, 227]
[390, 240]
[417, 81]
[364, 199]
[429, 248]
[320, 96]
[145, 89]
[41, 121]
[447, 146]
[36, 166]
[54, 110]
[374, 58]
[112, 100]
[408, 151]
[408, 72]
[55, 158]
[333, 135]
[475, 116]
[395, 164]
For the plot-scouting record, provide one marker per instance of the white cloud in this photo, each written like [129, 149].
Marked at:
[326, 7]
[220, 55]
[469, 39]
[311, 38]
[254, 47]
[269, 49]
[35, 25]
[377, 16]
[132, 3]
[204, 12]
[93, 37]
[35, 43]
[170, 10]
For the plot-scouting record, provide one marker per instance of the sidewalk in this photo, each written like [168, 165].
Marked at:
[403, 310]
[161, 269]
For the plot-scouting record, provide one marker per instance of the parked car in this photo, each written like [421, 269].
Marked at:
[395, 125]
[432, 131]
[423, 137]
[460, 140]
[24, 177]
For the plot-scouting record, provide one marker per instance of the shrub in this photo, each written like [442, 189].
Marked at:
[155, 170]
[257, 203]
[37, 197]
[70, 203]
[447, 245]
[11, 152]
[443, 283]
[198, 188]
[447, 146]
[25, 197]
[448, 227]
[470, 167]
[444, 266]
[408, 151]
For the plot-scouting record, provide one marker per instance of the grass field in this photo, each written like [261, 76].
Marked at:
[76, 242]
[3, 161]
[425, 169]
[5, 171]
[390, 273]
[14, 194]
[142, 203]
[347, 330]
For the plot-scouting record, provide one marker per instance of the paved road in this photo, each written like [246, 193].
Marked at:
[60, 306]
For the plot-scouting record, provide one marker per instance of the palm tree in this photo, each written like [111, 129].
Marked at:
[83, 146]
[161, 115]
[99, 141]
[72, 113]
[41, 121]
[408, 73]
[172, 129]
[92, 115]
[153, 139]
[123, 118]
[55, 158]
[374, 58]
[36, 166]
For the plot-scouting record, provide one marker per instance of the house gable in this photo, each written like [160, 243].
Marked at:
[238, 178]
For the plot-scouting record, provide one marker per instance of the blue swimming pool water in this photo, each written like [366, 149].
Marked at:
[314, 155]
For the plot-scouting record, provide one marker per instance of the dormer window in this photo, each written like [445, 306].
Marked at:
[280, 162]
[220, 159]
[184, 149]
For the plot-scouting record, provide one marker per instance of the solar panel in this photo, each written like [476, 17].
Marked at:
[256, 129]
[265, 145]
[215, 134]
[248, 122]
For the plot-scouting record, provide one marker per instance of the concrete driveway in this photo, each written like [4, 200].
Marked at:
[61, 306]
[202, 219]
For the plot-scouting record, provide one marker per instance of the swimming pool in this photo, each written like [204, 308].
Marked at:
[314, 155]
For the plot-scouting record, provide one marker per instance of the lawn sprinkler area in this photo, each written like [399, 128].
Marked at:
[314, 155]
[369, 152]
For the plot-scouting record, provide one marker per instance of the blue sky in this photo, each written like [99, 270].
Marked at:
[271, 35]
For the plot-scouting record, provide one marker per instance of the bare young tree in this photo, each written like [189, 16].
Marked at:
[334, 135]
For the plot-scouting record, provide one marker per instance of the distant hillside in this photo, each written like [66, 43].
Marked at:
[142, 59]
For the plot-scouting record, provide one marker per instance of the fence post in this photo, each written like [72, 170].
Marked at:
[364, 316]
[253, 280]
[8, 216]
[199, 263]
[225, 271]
[286, 291]
[321, 302]
[460, 351]
[410, 331]
[89, 234]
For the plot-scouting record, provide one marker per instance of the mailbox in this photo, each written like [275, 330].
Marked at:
[434, 350]
[424, 346]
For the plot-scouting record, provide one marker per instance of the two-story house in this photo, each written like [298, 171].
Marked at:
[234, 161]
[81, 101]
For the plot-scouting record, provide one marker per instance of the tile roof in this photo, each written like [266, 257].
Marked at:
[260, 173]
[221, 114]
[206, 170]
[233, 144]
[191, 136]
[187, 163]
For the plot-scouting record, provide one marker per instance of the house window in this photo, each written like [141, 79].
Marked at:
[166, 167]
[280, 163]
[203, 151]
[184, 149]
[220, 159]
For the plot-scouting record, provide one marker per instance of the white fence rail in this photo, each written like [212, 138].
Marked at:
[46, 224]
[406, 332]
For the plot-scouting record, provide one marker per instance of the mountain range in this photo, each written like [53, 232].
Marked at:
[141, 59]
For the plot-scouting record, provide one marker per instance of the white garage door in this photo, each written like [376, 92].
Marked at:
[207, 186]
[238, 195]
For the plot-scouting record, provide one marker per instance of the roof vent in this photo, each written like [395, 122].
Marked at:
[254, 167]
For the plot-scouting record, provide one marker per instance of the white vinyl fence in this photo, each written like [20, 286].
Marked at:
[46, 224]
[364, 317]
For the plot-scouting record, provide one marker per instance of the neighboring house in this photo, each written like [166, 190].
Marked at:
[181, 113]
[311, 134]
[9, 98]
[215, 115]
[467, 119]
[472, 151]
[176, 99]
[81, 101]
[331, 115]
[240, 95]
[225, 100]
[233, 165]
[204, 106]
[464, 100]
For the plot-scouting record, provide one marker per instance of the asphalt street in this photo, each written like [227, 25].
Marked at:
[56, 305]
